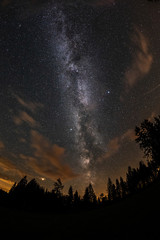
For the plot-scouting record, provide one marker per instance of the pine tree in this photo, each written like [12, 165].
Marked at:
[86, 196]
[70, 195]
[118, 193]
[76, 198]
[58, 187]
[92, 194]
[113, 192]
[109, 189]
[123, 188]
[148, 137]
[89, 195]
[11, 191]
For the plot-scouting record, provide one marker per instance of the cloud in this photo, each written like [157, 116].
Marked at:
[31, 106]
[25, 117]
[142, 60]
[5, 163]
[153, 89]
[1, 145]
[115, 144]
[152, 116]
[22, 140]
[5, 2]
[128, 135]
[5, 184]
[113, 147]
[8, 170]
[48, 159]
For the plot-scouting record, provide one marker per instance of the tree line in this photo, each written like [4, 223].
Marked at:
[30, 195]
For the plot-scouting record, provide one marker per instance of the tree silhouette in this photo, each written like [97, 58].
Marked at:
[118, 191]
[21, 186]
[31, 195]
[58, 187]
[33, 187]
[102, 198]
[130, 180]
[123, 188]
[113, 192]
[89, 195]
[152, 170]
[92, 194]
[34, 194]
[109, 189]
[76, 198]
[148, 137]
[70, 192]
[18, 192]
[3, 197]
[11, 191]
[143, 174]
[70, 195]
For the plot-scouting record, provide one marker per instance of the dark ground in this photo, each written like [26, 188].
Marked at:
[138, 217]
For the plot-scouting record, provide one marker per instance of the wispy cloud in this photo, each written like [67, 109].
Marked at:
[31, 106]
[8, 170]
[22, 140]
[6, 184]
[142, 60]
[152, 116]
[1, 145]
[25, 117]
[5, 2]
[153, 89]
[115, 144]
[112, 147]
[48, 159]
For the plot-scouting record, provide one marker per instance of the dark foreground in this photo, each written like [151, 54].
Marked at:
[138, 217]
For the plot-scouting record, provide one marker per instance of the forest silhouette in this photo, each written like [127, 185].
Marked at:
[31, 196]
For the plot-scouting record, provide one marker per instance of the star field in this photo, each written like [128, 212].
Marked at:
[76, 78]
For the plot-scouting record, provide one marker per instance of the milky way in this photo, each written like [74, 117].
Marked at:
[78, 84]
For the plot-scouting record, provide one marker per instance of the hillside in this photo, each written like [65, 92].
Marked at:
[134, 218]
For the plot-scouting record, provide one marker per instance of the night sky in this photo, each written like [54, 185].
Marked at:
[76, 77]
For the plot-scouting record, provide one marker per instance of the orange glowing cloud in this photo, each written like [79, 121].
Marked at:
[48, 159]
[31, 106]
[5, 2]
[142, 60]
[5, 184]
[8, 170]
[115, 144]
[113, 147]
[25, 117]
[1, 145]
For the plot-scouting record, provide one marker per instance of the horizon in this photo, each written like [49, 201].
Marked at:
[77, 77]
